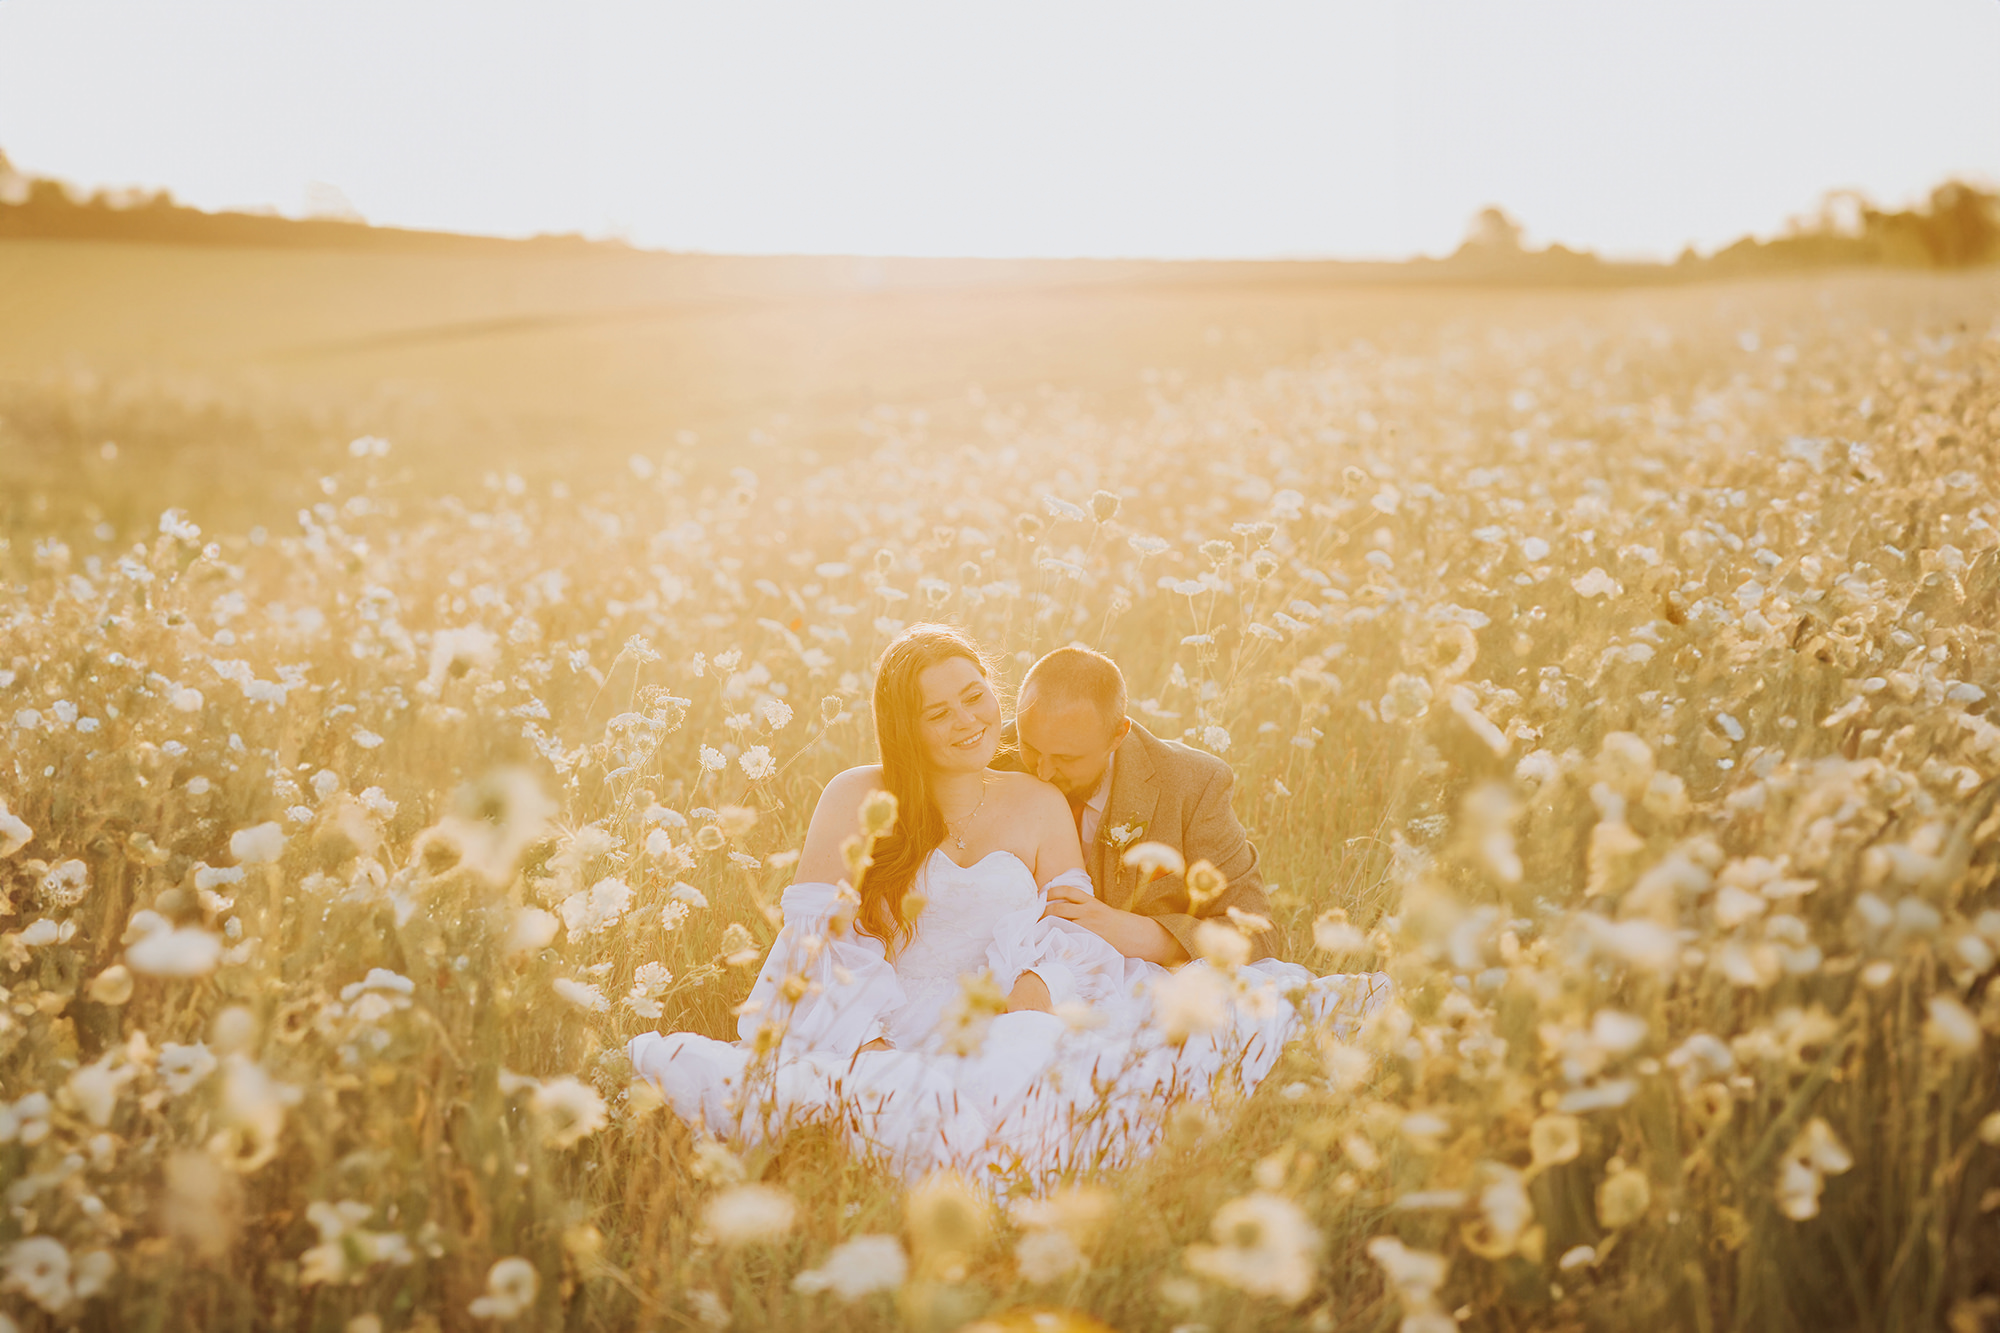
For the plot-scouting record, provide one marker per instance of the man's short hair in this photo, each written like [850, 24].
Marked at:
[1080, 673]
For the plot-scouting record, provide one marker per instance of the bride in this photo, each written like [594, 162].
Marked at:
[935, 1013]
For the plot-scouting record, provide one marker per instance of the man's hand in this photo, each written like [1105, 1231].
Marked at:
[1129, 933]
[1030, 992]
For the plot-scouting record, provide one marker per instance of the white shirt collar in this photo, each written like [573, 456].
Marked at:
[1093, 809]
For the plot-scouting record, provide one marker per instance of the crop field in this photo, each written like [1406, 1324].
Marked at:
[216, 370]
[1615, 670]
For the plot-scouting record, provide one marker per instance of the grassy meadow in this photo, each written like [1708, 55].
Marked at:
[1613, 669]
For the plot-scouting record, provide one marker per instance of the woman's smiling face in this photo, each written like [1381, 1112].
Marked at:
[959, 722]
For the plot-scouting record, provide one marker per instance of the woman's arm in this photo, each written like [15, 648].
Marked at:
[1056, 846]
[1056, 850]
[1133, 935]
[825, 990]
[827, 987]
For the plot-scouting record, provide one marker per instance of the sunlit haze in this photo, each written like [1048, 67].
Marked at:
[1251, 130]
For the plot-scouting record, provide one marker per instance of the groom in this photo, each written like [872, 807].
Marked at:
[1126, 786]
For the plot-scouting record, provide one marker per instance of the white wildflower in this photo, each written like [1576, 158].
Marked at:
[1189, 1002]
[112, 986]
[14, 831]
[747, 1214]
[716, 1164]
[44, 931]
[598, 908]
[455, 652]
[1623, 1198]
[651, 978]
[1049, 1256]
[1408, 699]
[176, 951]
[184, 1068]
[1154, 858]
[532, 929]
[569, 1109]
[257, 845]
[27, 1120]
[1814, 1155]
[39, 1268]
[1951, 1025]
[857, 1268]
[252, 1113]
[346, 1249]
[1221, 944]
[379, 979]
[495, 820]
[511, 1286]
[1265, 1246]
[1414, 1275]
[1596, 583]
[65, 885]
[581, 994]
[94, 1088]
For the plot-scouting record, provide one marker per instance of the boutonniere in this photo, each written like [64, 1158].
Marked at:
[1124, 835]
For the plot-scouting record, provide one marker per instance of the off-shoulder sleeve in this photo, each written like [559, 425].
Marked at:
[1073, 961]
[829, 991]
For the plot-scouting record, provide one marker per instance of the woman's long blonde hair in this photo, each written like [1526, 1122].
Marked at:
[919, 829]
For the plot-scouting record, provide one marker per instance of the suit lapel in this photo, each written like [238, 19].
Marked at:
[1134, 796]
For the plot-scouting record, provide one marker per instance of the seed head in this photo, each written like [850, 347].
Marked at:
[878, 813]
[1204, 882]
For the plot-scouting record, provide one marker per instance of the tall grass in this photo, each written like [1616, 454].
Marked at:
[1628, 687]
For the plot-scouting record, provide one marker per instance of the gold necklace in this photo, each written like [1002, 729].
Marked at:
[959, 838]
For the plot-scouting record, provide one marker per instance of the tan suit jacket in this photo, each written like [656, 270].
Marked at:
[1164, 791]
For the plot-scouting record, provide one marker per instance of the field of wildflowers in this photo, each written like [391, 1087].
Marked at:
[1623, 687]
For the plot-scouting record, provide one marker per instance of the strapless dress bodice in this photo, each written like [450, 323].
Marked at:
[952, 933]
[961, 903]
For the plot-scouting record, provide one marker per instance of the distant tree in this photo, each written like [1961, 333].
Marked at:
[1957, 226]
[1493, 232]
[50, 195]
[1842, 213]
[1964, 225]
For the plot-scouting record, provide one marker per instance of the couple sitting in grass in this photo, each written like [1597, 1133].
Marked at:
[1024, 958]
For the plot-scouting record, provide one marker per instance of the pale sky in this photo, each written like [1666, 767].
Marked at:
[1078, 127]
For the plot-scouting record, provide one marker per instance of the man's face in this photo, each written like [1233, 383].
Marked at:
[1065, 742]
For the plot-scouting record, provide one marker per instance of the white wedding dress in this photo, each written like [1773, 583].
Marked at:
[991, 1095]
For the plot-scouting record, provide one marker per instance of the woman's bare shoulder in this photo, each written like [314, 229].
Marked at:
[861, 778]
[836, 816]
[1029, 792]
[846, 790]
